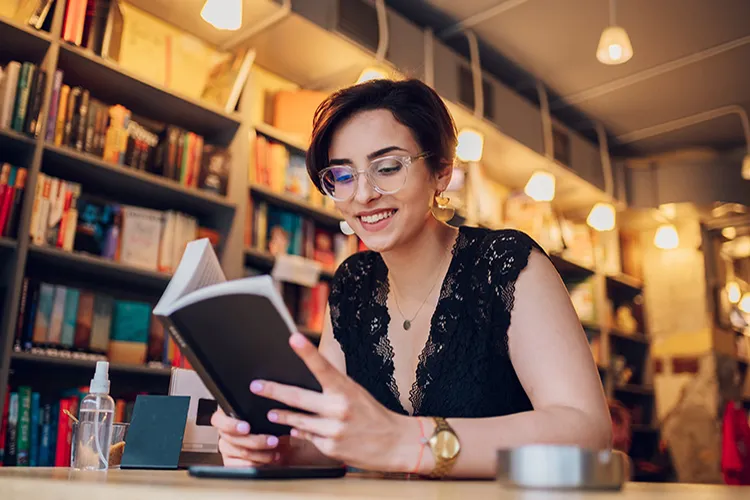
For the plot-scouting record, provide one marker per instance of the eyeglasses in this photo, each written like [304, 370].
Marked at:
[386, 175]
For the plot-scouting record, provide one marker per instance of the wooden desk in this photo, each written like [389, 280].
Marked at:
[49, 484]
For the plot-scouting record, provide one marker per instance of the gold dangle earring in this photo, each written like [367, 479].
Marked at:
[441, 210]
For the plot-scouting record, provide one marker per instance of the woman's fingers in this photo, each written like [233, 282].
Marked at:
[230, 451]
[295, 397]
[229, 425]
[257, 442]
[309, 424]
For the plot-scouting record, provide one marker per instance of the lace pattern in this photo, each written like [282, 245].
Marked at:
[464, 369]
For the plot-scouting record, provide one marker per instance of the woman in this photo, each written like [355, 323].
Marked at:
[470, 325]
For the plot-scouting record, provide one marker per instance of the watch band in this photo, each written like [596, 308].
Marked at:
[443, 464]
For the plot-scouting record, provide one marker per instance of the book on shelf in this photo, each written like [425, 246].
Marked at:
[113, 133]
[34, 13]
[12, 188]
[65, 217]
[95, 25]
[279, 231]
[21, 95]
[64, 322]
[36, 431]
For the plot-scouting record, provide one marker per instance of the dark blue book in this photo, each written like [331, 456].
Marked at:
[34, 441]
[45, 435]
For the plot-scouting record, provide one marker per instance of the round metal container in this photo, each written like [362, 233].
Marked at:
[562, 467]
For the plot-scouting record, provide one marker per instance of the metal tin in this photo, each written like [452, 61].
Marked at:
[562, 467]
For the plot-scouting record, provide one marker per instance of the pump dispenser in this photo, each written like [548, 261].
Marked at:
[94, 428]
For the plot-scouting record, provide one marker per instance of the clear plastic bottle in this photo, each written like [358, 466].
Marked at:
[95, 416]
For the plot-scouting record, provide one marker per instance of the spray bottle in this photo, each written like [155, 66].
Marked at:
[95, 417]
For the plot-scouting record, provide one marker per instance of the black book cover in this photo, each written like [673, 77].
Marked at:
[82, 121]
[11, 438]
[34, 103]
[14, 216]
[71, 111]
[91, 117]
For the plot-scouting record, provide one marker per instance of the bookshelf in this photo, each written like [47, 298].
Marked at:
[264, 260]
[294, 204]
[97, 269]
[289, 140]
[111, 84]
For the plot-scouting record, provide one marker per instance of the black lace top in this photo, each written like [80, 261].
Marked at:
[465, 368]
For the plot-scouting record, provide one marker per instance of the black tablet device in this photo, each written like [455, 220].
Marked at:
[266, 472]
[232, 332]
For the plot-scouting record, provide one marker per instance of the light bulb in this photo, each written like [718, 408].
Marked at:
[745, 303]
[371, 74]
[470, 145]
[729, 233]
[602, 217]
[746, 167]
[614, 46]
[733, 292]
[223, 14]
[666, 237]
[541, 186]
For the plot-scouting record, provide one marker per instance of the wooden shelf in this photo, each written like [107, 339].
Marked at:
[264, 260]
[110, 83]
[7, 243]
[65, 362]
[644, 390]
[635, 285]
[10, 139]
[98, 268]
[567, 267]
[131, 185]
[294, 204]
[290, 140]
[22, 43]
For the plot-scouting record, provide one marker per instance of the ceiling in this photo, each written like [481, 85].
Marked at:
[667, 78]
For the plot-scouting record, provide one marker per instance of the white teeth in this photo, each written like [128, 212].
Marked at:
[372, 219]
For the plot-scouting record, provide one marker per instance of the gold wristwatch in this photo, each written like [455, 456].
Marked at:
[445, 447]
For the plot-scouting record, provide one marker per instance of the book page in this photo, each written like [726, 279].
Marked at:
[198, 268]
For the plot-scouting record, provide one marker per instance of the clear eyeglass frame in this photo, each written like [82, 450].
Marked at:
[405, 160]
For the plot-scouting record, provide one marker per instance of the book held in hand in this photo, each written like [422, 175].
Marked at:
[232, 332]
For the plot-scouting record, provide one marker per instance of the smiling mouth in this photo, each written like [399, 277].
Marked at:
[377, 217]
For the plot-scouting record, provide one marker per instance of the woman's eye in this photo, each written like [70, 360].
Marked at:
[388, 167]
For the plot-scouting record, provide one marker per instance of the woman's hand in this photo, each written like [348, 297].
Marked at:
[346, 423]
[239, 448]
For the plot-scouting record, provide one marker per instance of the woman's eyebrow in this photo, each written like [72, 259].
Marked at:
[371, 156]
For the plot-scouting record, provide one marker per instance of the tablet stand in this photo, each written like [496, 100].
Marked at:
[154, 438]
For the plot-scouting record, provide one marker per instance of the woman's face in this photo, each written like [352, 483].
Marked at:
[384, 221]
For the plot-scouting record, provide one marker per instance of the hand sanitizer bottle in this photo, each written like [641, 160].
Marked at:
[94, 433]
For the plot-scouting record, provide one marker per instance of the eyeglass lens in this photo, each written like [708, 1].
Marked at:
[386, 175]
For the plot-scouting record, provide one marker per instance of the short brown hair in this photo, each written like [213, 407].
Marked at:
[413, 104]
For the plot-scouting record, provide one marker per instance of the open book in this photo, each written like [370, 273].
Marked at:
[232, 332]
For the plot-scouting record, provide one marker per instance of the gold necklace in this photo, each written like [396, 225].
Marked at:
[407, 322]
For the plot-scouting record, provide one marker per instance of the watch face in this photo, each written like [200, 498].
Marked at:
[446, 445]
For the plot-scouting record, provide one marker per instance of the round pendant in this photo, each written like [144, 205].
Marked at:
[407, 324]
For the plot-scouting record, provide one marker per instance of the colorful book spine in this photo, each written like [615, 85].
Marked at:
[11, 440]
[25, 79]
[34, 433]
[67, 337]
[24, 426]
[54, 107]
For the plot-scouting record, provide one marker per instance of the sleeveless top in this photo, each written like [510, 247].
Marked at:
[464, 370]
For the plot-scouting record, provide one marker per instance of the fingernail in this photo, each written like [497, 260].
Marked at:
[272, 441]
[243, 427]
[294, 433]
[273, 416]
[298, 340]
[256, 386]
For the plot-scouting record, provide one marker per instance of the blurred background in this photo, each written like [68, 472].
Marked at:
[614, 132]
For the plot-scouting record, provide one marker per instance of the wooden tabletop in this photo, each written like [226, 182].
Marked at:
[60, 483]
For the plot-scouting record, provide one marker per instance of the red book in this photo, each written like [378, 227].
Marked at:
[4, 177]
[64, 435]
[6, 199]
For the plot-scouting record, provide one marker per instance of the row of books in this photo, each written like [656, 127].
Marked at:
[284, 171]
[78, 120]
[64, 217]
[93, 24]
[53, 315]
[35, 428]
[280, 231]
[66, 322]
[21, 95]
[12, 187]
